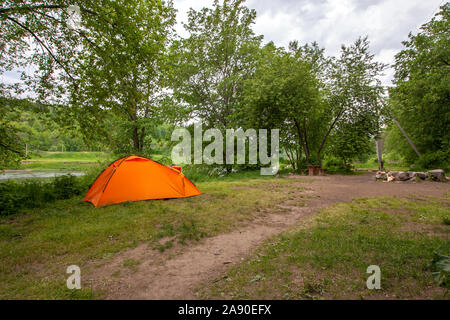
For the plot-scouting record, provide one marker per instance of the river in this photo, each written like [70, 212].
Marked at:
[20, 174]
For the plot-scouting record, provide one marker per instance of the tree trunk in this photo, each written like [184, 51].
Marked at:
[302, 142]
[290, 157]
[138, 135]
[136, 140]
[326, 137]
[379, 144]
[141, 139]
[319, 158]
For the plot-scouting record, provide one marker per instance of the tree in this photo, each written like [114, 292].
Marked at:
[353, 96]
[214, 61]
[316, 118]
[10, 141]
[39, 33]
[43, 23]
[351, 139]
[113, 62]
[284, 93]
[420, 98]
[124, 73]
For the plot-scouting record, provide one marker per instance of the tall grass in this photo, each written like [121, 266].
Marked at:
[16, 195]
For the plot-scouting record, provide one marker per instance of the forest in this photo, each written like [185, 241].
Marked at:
[121, 80]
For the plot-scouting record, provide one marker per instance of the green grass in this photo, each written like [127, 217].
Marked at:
[387, 166]
[328, 255]
[68, 161]
[131, 263]
[67, 156]
[36, 246]
[63, 161]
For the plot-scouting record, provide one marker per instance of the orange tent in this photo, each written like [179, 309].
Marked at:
[136, 178]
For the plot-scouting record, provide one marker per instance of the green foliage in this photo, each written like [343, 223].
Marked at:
[130, 66]
[212, 63]
[315, 100]
[10, 140]
[284, 93]
[441, 266]
[353, 99]
[65, 187]
[112, 65]
[419, 100]
[352, 139]
[437, 159]
[34, 127]
[15, 195]
[336, 165]
[446, 220]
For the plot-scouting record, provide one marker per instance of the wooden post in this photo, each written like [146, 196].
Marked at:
[379, 143]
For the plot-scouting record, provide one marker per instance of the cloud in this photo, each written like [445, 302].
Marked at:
[10, 77]
[329, 22]
[335, 22]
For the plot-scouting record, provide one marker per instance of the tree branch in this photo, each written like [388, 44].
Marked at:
[24, 9]
[28, 8]
[43, 45]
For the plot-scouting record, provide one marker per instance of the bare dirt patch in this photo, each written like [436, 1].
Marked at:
[175, 273]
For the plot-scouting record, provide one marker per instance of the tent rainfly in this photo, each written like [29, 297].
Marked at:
[135, 178]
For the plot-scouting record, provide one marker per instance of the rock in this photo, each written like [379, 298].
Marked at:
[420, 175]
[381, 175]
[393, 174]
[402, 176]
[438, 175]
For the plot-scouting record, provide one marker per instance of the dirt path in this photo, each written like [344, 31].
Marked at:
[160, 276]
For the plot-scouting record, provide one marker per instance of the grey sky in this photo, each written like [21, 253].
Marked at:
[329, 22]
[335, 22]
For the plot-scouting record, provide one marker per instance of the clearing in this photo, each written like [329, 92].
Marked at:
[180, 272]
[189, 248]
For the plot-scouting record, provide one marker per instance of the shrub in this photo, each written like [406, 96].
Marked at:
[446, 220]
[197, 173]
[15, 195]
[441, 266]
[10, 198]
[433, 160]
[336, 165]
[65, 187]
